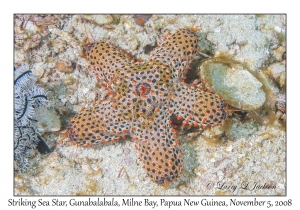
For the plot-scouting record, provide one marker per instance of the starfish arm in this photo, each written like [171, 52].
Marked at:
[105, 59]
[177, 51]
[156, 140]
[197, 108]
[102, 123]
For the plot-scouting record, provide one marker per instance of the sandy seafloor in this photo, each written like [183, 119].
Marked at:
[250, 149]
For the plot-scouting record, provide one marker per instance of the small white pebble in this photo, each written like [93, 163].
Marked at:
[278, 29]
[217, 30]
[91, 96]
[38, 71]
[229, 148]
[281, 186]
[44, 80]
[63, 100]
[241, 155]
[220, 173]
[87, 169]
[85, 90]
[61, 96]
[94, 167]
[73, 100]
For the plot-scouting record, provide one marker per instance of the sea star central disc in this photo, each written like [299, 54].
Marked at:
[143, 89]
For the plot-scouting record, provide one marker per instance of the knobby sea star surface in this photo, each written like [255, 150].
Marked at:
[144, 101]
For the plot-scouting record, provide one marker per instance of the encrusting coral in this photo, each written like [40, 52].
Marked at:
[147, 101]
[28, 96]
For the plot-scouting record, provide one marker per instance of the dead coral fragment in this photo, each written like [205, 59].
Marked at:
[141, 19]
[277, 72]
[41, 20]
[280, 104]
[99, 19]
[64, 66]
[27, 42]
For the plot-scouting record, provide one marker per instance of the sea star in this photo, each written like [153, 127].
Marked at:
[145, 100]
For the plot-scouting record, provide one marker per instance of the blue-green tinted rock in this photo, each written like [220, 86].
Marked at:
[237, 86]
